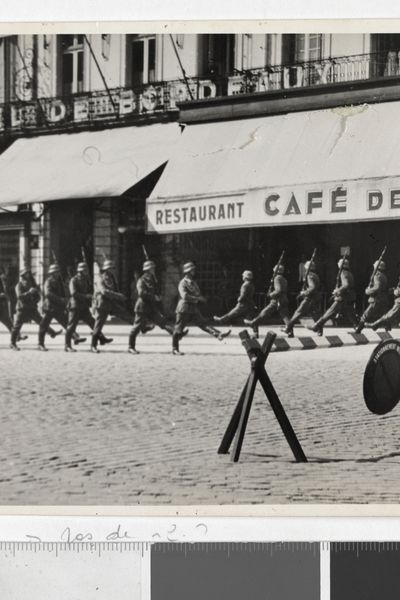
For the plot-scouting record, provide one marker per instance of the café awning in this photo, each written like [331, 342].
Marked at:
[90, 164]
[334, 165]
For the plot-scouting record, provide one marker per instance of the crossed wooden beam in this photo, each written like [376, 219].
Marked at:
[237, 425]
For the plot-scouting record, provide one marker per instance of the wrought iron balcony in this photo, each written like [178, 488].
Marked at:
[125, 104]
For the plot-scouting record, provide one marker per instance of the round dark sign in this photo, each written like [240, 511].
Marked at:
[382, 378]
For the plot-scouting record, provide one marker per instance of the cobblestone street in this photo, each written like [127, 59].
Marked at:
[120, 429]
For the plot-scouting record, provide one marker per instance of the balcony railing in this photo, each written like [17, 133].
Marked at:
[161, 97]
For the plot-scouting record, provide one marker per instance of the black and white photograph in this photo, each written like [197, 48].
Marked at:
[199, 268]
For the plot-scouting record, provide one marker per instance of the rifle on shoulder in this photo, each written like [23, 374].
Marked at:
[274, 271]
[376, 268]
[339, 273]
[305, 284]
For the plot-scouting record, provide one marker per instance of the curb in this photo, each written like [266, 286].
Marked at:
[282, 344]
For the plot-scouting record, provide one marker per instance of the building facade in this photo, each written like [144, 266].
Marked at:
[92, 126]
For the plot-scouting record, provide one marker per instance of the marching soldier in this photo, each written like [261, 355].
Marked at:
[187, 310]
[147, 306]
[5, 306]
[309, 297]
[54, 303]
[79, 307]
[278, 299]
[28, 296]
[107, 301]
[378, 296]
[392, 317]
[245, 306]
[343, 298]
[54, 306]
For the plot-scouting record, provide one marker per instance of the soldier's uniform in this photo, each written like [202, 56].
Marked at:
[81, 296]
[187, 310]
[278, 297]
[5, 317]
[147, 309]
[343, 300]
[54, 303]
[107, 300]
[309, 299]
[392, 317]
[378, 298]
[28, 296]
[245, 306]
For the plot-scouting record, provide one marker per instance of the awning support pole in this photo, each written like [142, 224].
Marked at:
[101, 75]
[181, 67]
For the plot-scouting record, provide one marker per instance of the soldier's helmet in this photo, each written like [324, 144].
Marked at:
[382, 265]
[247, 274]
[24, 271]
[54, 268]
[309, 265]
[149, 264]
[345, 262]
[81, 267]
[279, 269]
[107, 265]
[189, 266]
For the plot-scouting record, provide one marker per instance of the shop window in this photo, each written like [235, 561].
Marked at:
[142, 60]
[72, 70]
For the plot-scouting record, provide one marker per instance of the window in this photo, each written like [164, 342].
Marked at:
[7, 67]
[308, 47]
[298, 48]
[72, 50]
[142, 60]
[300, 52]
[386, 52]
[220, 55]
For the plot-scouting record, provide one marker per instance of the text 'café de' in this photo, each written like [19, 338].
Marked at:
[222, 149]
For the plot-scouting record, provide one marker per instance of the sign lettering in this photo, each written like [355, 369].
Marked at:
[325, 203]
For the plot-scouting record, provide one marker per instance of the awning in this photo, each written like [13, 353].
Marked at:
[335, 165]
[83, 165]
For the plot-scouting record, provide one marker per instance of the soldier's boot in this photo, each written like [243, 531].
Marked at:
[288, 329]
[216, 333]
[68, 339]
[377, 324]
[53, 334]
[360, 326]
[104, 340]
[175, 344]
[13, 341]
[22, 338]
[132, 344]
[41, 345]
[93, 346]
[78, 339]
[318, 327]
